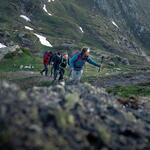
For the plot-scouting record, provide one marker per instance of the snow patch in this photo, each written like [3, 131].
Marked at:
[2, 45]
[81, 29]
[51, 1]
[21, 67]
[44, 8]
[25, 17]
[26, 67]
[43, 40]
[115, 24]
[28, 28]
[29, 67]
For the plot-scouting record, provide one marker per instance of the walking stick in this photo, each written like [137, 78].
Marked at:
[102, 60]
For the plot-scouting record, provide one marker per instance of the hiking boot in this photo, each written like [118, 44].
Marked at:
[41, 72]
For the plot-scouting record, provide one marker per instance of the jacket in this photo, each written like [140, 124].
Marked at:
[77, 62]
[56, 61]
[46, 58]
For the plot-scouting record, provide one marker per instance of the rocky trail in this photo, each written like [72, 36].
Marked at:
[142, 78]
[123, 80]
[25, 79]
[72, 116]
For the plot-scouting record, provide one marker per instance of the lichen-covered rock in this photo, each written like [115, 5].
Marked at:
[69, 117]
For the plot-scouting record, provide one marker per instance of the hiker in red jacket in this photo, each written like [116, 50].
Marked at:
[46, 61]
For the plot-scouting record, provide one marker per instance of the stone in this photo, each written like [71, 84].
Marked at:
[71, 114]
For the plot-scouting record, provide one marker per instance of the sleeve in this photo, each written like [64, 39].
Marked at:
[71, 61]
[91, 61]
[53, 58]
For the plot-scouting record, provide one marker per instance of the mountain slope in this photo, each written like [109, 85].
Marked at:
[116, 26]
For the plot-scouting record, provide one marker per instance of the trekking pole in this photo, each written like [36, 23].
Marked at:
[102, 60]
[99, 69]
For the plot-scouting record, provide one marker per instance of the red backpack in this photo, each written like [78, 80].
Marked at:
[46, 58]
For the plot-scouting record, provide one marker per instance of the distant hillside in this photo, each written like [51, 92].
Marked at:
[116, 26]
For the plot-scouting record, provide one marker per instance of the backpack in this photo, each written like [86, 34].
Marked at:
[45, 55]
[46, 58]
[78, 58]
[74, 53]
[57, 59]
[63, 63]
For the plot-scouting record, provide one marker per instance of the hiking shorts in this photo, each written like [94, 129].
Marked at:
[76, 75]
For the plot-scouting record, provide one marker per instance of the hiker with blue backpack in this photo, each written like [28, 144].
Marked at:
[77, 62]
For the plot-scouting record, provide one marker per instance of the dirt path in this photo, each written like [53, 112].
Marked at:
[123, 79]
[21, 74]
[28, 78]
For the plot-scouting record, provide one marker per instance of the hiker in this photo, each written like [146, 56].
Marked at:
[46, 61]
[51, 64]
[57, 58]
[75, 52]
[78, 61]
[62, 66]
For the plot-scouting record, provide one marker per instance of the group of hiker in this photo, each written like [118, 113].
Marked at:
[59, 63]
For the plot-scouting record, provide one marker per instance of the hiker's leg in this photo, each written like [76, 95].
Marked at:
[42, 70]
[46, 70]
[79, 75]
[70, 70]
[52, 70]
[55, 73]
[76, 75]
[62, 71]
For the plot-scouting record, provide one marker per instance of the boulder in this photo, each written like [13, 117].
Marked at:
[6, 50]
[79, 117]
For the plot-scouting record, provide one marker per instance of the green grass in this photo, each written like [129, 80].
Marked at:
[14, 63]
[128, 91]
[45, 83]
[91, 73]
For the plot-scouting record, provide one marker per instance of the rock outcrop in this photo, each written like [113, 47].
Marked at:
[6, 50]
[69, 116]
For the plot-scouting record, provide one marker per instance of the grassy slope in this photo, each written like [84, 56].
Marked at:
[132, 90]
[13, 62]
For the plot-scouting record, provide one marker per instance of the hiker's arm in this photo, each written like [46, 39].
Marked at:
[91, 61]
[72, 60]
